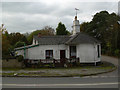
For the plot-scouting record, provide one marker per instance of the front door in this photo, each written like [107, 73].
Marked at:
[62, 56]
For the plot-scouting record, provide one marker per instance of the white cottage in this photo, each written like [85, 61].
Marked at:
[79, 45]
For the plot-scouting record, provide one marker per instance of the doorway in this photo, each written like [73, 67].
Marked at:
[62, 56]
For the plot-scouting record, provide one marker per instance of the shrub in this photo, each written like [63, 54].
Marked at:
[117, 52]
[20, 58]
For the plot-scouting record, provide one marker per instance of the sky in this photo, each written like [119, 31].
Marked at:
[27, 16]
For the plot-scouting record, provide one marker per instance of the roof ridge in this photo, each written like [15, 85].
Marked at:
[72, 38]
[53, 36]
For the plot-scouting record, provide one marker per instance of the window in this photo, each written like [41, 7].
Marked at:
[35, 41]
[98, 50]
[72, 51]
[49, 54]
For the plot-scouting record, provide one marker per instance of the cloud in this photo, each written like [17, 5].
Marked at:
[28, 16]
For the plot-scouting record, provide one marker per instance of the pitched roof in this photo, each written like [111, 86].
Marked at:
[61, 39]
[65, 39]
[82, 38]
[52, 40]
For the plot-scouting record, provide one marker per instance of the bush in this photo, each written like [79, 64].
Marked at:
[117, 52]
[19, 44]
[20, 58]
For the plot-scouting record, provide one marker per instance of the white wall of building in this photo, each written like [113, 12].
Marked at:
[39, 52]
[34, 42]
[20, 52]
[87, 53]
[76, 27]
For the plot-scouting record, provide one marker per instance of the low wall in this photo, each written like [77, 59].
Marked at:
[11, 63]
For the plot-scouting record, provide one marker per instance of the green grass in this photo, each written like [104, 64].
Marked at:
[10, 69]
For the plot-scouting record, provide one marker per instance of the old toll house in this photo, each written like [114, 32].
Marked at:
[59, 48]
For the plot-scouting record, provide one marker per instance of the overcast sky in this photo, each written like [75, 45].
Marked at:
[29, 16]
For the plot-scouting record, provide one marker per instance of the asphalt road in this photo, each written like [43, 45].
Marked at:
[64, 82]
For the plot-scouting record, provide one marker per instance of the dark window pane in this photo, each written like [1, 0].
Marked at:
[72, 51]
[98, 49]
[49, 54]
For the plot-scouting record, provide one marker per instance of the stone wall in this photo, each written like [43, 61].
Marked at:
[11, 63]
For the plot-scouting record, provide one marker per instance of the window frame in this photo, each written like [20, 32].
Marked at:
[73, 50]
[48, 54]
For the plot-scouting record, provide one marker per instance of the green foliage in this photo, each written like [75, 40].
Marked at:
[20, 58]
[61, 29]
[105, 28]
[117, 52]
[5, 47]
[15, 37]
[9, 41]
[19, 44]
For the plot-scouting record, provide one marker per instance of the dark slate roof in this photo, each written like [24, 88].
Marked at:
[65, 39]
[82, 38]
[52, 40]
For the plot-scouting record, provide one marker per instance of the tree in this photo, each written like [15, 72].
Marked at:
[15, 37]
[84, 26]
[47, 30]
[19, 44]
[5, 43]
[9, 41]
[104, 27]
[5, 47]
[61, 29]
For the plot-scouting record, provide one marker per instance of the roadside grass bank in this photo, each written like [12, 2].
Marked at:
[80, 70]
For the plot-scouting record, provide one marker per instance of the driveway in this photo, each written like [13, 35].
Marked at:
[110, 59]
[113, 61]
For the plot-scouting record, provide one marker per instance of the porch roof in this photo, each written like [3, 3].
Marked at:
[26, 47]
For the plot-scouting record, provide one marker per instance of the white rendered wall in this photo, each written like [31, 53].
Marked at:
[76, 27]
[39, 52]
[20, 52]
[33, 43]
[87, 53]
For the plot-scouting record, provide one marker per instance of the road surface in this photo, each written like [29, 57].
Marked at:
[64, 82]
